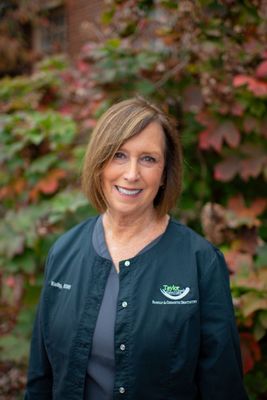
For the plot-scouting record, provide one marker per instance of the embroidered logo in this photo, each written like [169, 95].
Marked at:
[174, 292]
[61, 285]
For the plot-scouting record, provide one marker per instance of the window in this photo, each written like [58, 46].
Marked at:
[51, 34]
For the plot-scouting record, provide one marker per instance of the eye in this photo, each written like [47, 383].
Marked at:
[149, 159]
[119, 155]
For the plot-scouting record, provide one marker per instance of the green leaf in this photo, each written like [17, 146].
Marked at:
[26, 262]
[67, 201]
[263, 318]
[14, 348]
[258, 331]
[12, 243]
[57, 62]
[145, 87]
[261, 260]
[113, 43]
[9, 265]
[253, 301]
[107, 16]
[25, 320]
[42, 164]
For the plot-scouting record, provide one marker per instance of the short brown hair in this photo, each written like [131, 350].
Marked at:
[118, 124]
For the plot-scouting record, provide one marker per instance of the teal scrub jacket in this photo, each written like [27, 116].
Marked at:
[174, 316]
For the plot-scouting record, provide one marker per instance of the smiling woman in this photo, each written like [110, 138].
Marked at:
[147, 314]
[119, 124]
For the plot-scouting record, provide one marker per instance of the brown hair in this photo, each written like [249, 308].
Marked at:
[118, 124]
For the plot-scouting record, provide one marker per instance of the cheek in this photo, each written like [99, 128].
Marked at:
[156, 178]
[108, 174]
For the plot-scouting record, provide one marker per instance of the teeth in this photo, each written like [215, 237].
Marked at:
[127, 191]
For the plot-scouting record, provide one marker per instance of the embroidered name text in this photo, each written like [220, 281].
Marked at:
[61, 285]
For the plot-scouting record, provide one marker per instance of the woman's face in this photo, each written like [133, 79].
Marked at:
[131, 179]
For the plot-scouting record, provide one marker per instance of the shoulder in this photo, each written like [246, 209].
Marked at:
[74, 238]
[190, 244]
[186, 236]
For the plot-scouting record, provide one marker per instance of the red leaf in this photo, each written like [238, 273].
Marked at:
[258, 88]
[261, 71]
[205, 119]
[236, 259]
[255, 86]
[213, 136]
[67, 109]
[89, 123]
[250, 350]
[210, 138]
[237, 204]
[227, 169]
[258, 206]
[82, 66]
[10, 281]
[49, 184]
[205, 139]
[216, 140]
[252, 167]
[250, 124]
[86, 112]
[230, 133]
[14, 188]
[237, 109]
[193, 99]
[240, 80]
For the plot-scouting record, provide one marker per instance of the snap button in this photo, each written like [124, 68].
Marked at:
[124, 304]
[121, 390]
[127, 263]
[122, 347]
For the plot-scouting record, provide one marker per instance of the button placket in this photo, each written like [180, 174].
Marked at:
[122, 332]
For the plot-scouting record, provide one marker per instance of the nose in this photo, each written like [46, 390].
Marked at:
[131, 173]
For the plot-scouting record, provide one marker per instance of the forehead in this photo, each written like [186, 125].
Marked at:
[152, 138]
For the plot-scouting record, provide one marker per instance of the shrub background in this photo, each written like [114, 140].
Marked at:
[204, 62]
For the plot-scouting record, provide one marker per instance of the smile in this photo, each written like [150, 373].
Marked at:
[128, 192]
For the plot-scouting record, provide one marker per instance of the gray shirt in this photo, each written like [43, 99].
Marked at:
[101, 365]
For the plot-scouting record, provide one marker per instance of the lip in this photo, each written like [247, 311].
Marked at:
[128, 192]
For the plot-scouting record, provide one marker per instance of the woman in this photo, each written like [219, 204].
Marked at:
[135, 305]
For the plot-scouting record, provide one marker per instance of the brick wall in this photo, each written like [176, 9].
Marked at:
[82, 17]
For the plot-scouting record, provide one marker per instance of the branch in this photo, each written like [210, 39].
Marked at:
[177, 68]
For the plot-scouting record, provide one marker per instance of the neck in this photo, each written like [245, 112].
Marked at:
[125, 227]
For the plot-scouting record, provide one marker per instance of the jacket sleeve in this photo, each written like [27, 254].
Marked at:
[40, 378]
[219, 372]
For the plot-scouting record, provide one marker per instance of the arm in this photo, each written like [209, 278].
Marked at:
[39, 385]
[219, 369]
[40, 378]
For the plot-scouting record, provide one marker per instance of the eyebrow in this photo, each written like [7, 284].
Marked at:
[152, 151]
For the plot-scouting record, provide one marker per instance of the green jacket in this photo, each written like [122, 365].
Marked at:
[174, 314]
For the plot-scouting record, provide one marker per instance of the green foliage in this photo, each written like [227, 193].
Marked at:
[42, 88]
[16, 348]
[205, 62]
[40, 165]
